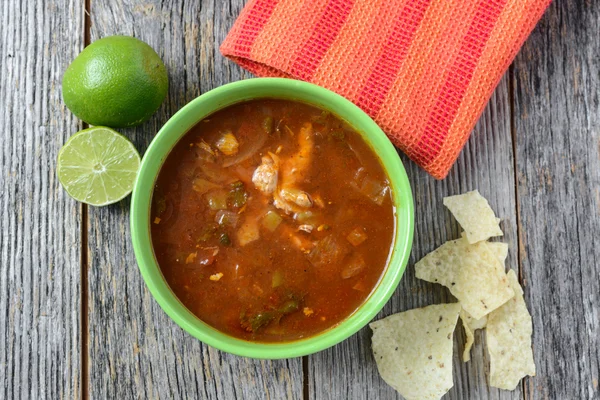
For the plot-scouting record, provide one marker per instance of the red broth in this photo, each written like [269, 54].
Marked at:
[272, 220]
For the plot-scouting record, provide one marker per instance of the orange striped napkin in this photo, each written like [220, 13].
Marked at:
[422, 69]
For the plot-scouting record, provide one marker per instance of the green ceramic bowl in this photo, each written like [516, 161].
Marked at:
[222, 97]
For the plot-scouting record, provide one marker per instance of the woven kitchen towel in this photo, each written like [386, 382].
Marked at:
[422, 69]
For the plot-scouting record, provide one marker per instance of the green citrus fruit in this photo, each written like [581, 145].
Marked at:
[98, 166]
[117, 81]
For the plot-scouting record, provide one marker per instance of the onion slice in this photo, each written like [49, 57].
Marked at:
[247, 151]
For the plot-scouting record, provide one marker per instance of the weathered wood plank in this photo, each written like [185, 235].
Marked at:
[486, 163]
[136, 351]
[40, 227]
[557, 120]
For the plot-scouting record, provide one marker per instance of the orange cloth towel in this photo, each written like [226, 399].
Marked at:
[422, 69]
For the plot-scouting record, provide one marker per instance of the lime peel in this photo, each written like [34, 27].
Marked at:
[117, 81]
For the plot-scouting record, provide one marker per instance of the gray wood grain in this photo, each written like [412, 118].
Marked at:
[348, 370]
[557, 120]
[135, 350]
[39, 228]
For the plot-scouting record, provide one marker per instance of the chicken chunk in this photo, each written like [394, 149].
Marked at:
[294, 171]
[281, 177]
[266, 175]
[295, 168]
[298, 240]
[287, 199]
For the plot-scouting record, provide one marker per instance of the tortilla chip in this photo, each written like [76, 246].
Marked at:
[470, 325]
[474, 214]
[413, 350]
[471, 272]
[509, 332]
[499, 249]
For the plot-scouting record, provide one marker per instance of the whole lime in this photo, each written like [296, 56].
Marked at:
[117, 81]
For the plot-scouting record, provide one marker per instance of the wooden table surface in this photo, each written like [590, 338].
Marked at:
[77, 321]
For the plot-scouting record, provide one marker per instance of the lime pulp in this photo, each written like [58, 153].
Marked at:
[98, 166]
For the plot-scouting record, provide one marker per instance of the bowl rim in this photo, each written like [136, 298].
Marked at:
[180, 123]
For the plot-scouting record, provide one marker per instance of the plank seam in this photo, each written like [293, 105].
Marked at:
[84, 249]
[513, 134]
[84, 304]
[305, 376]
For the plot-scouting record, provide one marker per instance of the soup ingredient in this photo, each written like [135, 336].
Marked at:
[227, 143]
[252, 321]
[224, 239]
[328, 251]
[357, 236]
[202, 186]
[207, 153]
[267, 125]
[98, 166]
[216, 277]
[474, 214]
[298, 240]
[271, 220]
[470, 325]
[413, 350]
[217, 199]
[373, 189]
[117, 81]
[227, 218]
[472, 273]
[354, 267]
[509, 331]
[277, 279]
[237, 195]
[249, 232]
[288, 197]
[306, 228]
[191, 258]
[266, 175]
[256, 140]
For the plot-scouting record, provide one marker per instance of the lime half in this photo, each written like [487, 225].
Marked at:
[98, 166]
